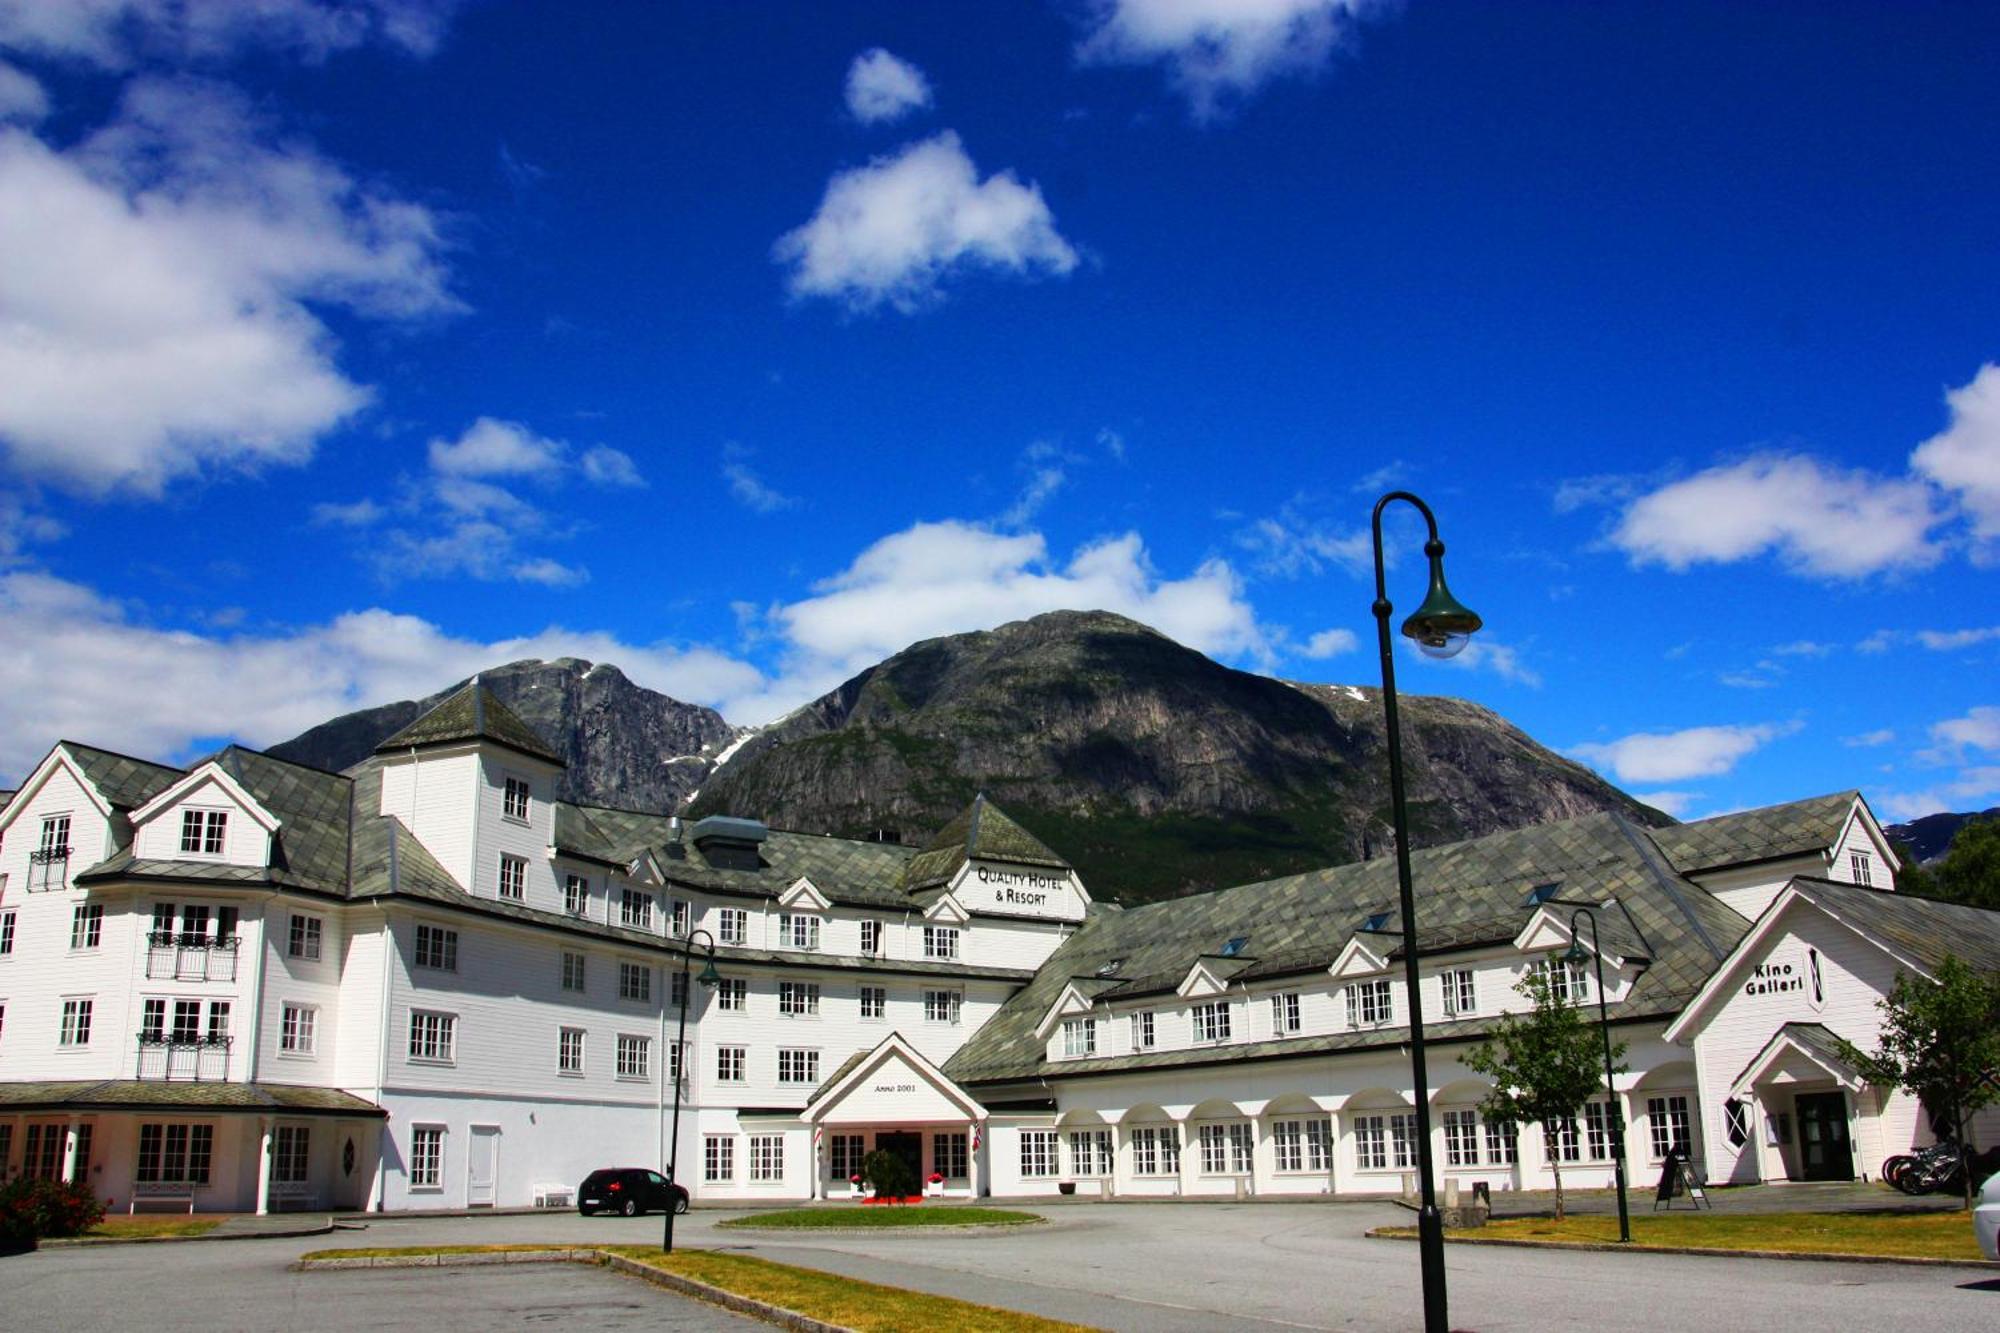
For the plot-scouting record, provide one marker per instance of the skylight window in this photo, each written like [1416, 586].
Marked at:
[1235, 945]
[1376, 921]
[1542, 893]
[1110, 969]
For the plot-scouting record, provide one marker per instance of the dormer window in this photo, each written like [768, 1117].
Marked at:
[1079, 1037]
[514, 799]
[1863, 867]
[203, 832]
[1211, 1023]
[871, 937]
[1567, 981]
[55, 839]
[796, 930]
[1368, 1003]
[1461, 998]
[940, 942]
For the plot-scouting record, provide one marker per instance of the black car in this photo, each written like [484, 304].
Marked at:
[630, 1190]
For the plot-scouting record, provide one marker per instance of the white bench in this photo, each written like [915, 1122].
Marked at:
[161, 1191]
[555, 1196]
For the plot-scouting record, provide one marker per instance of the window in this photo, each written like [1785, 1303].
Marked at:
[729, 1063]
[675, 1053]
[86, 926]
[732, 925]
[1863, 867]
[6, 933]
[796, 931]
[732, 995]
[943, 1006]
[174, 1154]
[513, 877]
[433, 1036]
[1403, 1140]
[569, 1051]
[1567, 981]
[1225, 1148]
[76, 1022]
[1142, 1031]
[635, 1056]
[845, 1152]
[940, 942]
[1503, 1143]
[202, 832]
[298, 1029]
[218, 1022]
[304, 940]
[874, 1001]
[55, 838]
[514, 800]
[427, 1157]
[572, 971]
[635, 909]
[798, 999]
[1461, 1138]
[1285, 1013]
[797, 1066]
[225, 926]
[1371, 1144]
[1559, 1140]
[291, 1154]
[1667, 1125]
[1040, 1154]
[437, 948]
[1079, 1036]
[767, 1157]
[576, 895]
[1597, 1128]
[153, 1021]
[1156, 1151]
[678, 988]
[949, 1157]
[718, 1158]
[1736, 1122]
[682, 918]
[1460, 999]
[194, 926]
[1211, 1022]
[187, 1022]
[1302, 1145]
[1090, 1152]
[635, 982]
[1369, 1003]
[871, 937]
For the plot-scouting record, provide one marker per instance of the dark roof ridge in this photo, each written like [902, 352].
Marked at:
[1669, 881]
[112, 754]
[1850, 793]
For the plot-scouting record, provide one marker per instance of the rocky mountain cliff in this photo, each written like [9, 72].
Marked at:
[1930, 837]
[626, 745]
[1157, 771]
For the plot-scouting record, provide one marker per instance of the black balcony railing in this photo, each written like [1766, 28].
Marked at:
[184, 956]
[44, 855]
[184, 1057]
[48, 868]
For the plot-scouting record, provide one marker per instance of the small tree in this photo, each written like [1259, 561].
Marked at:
[889, 1174]
[1970, 871]
[1940, 1042]
[1545, 1063]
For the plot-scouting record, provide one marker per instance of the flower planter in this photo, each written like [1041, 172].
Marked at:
[1066, 1187]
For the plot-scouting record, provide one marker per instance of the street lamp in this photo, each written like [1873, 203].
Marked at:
[1441, 627]
[1573, 957]
[676, 1066]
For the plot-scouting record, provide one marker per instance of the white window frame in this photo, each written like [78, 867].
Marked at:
[798, 999]
[427, 1157]
[516, 798]
[732, 925]
[944, 1007]
[1461, 1136]
[635, 909]
[433, 1037]
[798, 1066]
[7, 933]
[1503, 1142]
[1210, 1023]
[86, 926]
[874, 1003]
[512, 883]
[1090, 1152]
[303, 937]
[941, 942]
[298, 1029]
[798, 931]
[1287, 1016]
[635, 982]
[732, 995]
[1460, 992]
[571, 1048]
[1041, 1154]
[635, 1057]
[575, 971]
[871, 936]
[78, 1017]
[1370, 1003]
[576, 894]
[435, 947]
[1143, 1032]
[1665, 1113]
[718, 1159]
[731, 1063]
[767, 1159]
[1862, 866]
[1079, 1037]
[1156, 1150]
[206, 829]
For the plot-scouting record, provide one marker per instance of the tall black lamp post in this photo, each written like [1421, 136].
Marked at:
[676, 1066]
[1440, 627]
[1573, 957]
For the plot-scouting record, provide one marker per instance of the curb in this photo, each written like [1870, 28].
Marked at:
[945, 1229]
[617, 1263]
[1613, 1247]
[75, 1242]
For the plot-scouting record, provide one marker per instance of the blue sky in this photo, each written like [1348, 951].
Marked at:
[349, 345]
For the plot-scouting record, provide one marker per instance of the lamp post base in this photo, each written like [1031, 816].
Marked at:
[1430, 1241]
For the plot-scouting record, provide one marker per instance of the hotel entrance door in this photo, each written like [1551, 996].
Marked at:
[1824, 1150]
[909, 1147]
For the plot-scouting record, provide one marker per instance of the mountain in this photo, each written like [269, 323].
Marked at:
[1155, 770]
[1930, 837]
[626, 745]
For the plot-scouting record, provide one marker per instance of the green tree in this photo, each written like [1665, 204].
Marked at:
[1970, 870]
[1545, 1063]
[1940, 1042]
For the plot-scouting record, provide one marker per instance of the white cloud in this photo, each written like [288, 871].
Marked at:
[950, 577]
[115, 34]
[1330, 643]
[604, 466]
[1944, 641]
[1219, 50]
[164, 328]
[260, 687]
[1978, 729]
[1973, 789]
[882, 88]
[21, 96]
[1675, 803]
[1485, 653]
[1291, 545]
[751, 491]
[359, 514]
[1965, 458]
[493, 448]
[892, 232]
[1804, 648]
[1868, 740]
[1674, 756]
[1818, 519]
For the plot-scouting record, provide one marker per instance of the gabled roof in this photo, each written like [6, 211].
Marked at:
[982, 832]
[1923, 930]
[1792, 829]
[125, 782]
[1815, 1041]
[473, 713]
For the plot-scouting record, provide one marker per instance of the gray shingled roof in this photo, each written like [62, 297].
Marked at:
[126, 782]
[981, 831]
[1468, 893]
[151, 1095]
[1757, 835]
[472, 713]
[1922, 929]
[1817, 1038]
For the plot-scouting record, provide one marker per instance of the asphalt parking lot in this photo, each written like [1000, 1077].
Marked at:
[1124, 1266]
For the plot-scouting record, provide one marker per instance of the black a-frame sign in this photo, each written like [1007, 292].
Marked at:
[1677, 1180]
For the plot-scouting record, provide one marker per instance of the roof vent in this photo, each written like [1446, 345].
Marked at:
[1110, 969]
[1375, 921]
[1234, 946]
[1542, 893]
[729, 843]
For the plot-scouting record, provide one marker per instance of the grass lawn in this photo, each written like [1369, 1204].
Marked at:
[1945, 1235]
[920, 1215]
[124, 1228]
[838, 1300]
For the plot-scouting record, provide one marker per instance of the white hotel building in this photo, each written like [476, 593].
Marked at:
[427, 984]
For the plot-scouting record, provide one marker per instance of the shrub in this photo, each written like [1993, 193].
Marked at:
[889, 1174]
[32, 1210]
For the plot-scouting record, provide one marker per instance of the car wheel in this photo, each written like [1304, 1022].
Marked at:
[680, 1204]
[587, 1212]
[631, 1208]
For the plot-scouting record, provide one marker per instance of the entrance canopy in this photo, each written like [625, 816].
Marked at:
[893, 1084]
[1798, 1053]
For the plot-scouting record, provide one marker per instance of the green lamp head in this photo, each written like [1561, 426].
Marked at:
[709, 978]
[1576, 955]
[1442, 625]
